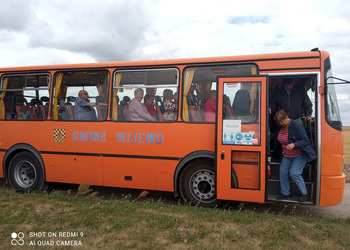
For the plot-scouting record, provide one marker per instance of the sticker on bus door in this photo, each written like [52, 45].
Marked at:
[233, 135]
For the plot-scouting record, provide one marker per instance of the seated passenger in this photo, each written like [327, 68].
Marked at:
[83, 107]
[148, 102]
[169, 106]
[241, 103]
[210, 107]
[138, 111]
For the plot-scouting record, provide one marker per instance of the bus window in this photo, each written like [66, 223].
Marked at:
[332, 108]
[80, 95]
[24, 96]
[244, 116]
[149, 95]
[199, 83]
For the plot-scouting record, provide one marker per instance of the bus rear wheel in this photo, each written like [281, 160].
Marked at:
[25, 173]
[198, 184]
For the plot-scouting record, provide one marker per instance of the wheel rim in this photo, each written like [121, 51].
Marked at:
[25, 174]
[202, 185]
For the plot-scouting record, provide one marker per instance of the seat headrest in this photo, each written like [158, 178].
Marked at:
[44, 99]
[21, 100]
[71, 99]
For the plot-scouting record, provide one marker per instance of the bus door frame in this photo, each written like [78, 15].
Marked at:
[225, 153]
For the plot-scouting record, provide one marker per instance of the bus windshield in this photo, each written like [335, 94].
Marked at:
[332, 108]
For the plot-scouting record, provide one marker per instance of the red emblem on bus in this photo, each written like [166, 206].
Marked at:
[59, 135]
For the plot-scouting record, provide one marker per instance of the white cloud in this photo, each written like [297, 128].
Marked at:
[62, 31]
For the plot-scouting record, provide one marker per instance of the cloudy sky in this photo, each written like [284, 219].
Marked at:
[39, 32]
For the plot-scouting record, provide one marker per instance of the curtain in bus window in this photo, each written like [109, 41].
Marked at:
[118, 78]
[254, 70]
[189, 73]
[2, 105]
[151, 91]
[57, 92]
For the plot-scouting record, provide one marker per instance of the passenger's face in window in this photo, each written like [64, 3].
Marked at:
[83, 94]
[139, 96]
[150, 101]
[289, 86]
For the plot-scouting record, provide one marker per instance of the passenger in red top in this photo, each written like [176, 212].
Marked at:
[148, 102]
[210, 107]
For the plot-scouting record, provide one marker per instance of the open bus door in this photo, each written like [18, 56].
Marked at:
[241, 138]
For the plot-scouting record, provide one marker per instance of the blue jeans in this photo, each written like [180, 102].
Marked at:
[292, 168]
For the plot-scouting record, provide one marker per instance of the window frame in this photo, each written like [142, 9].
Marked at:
[144, 87]
[105, 70]
[46, 87]
[24, 74]
[219, 74]
[336, 124]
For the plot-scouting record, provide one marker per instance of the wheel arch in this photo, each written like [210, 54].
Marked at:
[197, 155]
[18, 148]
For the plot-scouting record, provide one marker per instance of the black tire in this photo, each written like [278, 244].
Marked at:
[198, 184]
[25, 173]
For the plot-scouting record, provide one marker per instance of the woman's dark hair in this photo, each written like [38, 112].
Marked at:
[148, 97]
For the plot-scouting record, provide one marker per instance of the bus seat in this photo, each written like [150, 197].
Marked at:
[44, 100]
[22, 101]
[194, 109]
[70, 100]
[37, 108]
[102, 111]
[100, 99]
[35, 102]
[196, 114]
[70, 107]
[126, 108]
[45, 106]
[125, 101]
[63, 113]
[24, 112]
[124, 111]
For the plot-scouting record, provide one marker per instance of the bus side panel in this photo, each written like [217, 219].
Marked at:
[164, 172]
[332, 190]
[2, 154]
[332, 151]
[332, 177]
[73, 169]
[128, 172]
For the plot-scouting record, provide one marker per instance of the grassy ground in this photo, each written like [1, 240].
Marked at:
[126, 224]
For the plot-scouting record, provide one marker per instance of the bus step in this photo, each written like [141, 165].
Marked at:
[293, 199]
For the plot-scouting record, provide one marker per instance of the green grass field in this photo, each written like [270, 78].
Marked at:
[92, 223]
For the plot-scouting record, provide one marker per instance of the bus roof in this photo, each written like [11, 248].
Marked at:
[239, 58]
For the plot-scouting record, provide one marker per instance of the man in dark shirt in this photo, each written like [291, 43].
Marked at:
[293, 99]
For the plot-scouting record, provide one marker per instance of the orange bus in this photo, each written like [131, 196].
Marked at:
[205, 160]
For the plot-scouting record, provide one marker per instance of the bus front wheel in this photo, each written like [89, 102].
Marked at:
[198, 184]
[25, 173]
